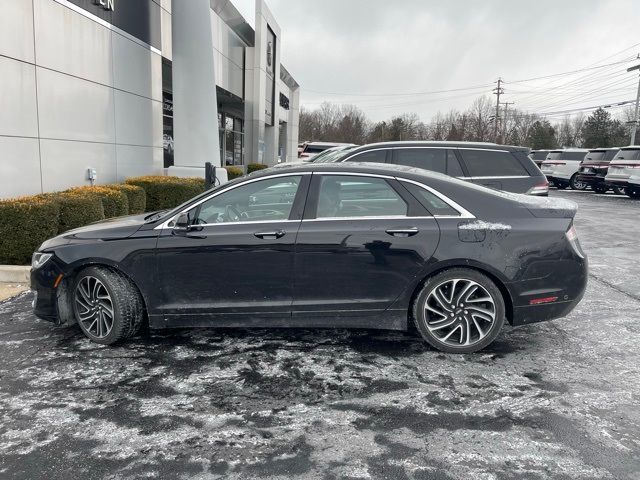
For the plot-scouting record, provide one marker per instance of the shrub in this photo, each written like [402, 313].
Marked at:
[253, 167]
[24, 224]
[76, 209]
[136, 196]
[114, 202]
[234, 172]
[167, 192]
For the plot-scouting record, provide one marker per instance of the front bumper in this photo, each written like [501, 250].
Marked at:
[43, 284]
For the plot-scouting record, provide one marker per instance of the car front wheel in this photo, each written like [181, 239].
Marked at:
[107, 305]
[459, 311]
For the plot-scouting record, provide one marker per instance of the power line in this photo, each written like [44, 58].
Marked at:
[396, 94]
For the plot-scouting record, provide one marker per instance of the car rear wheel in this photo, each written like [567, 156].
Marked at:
[459, 311]
[107, 305]
[576, 184]
[620, 190]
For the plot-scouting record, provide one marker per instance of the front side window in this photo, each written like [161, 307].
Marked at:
[491, 163]
[353, 196]
[264, 200]
[375, 156]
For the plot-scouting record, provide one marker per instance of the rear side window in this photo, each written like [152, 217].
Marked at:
[376, 156]
[628, 155]
[433, 159]
[574, 156]
[491, 163]
[352, 196]
[430, 201]
[315, 148]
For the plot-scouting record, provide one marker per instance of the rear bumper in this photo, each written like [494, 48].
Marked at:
[616, 183]
[592, 180]
[567, 282]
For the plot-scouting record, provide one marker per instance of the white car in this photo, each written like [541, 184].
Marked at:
[561, 167]
[311, 149]
[624, 171]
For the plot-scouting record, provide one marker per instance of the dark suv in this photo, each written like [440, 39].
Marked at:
[594, 168]
[501, 167]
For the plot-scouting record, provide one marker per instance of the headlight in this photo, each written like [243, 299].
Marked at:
[39, 259]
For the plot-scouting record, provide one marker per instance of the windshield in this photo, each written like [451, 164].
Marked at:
[594, 156]
[333, 155]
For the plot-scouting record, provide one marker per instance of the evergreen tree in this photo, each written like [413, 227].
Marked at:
[542, 136]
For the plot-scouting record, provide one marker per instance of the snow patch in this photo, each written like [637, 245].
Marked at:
[482, 225]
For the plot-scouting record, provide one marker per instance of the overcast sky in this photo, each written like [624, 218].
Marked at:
[403, 46]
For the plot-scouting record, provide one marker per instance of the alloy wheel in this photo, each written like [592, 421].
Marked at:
[94, 307]
[460, 312]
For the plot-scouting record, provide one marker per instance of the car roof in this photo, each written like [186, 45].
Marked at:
[332, 144]
[604, 149]
[446, 144]
[631, 147]
[355, 167]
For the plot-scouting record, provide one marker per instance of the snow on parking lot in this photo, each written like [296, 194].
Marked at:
[554, 400]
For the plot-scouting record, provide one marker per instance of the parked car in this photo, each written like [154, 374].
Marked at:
[594, 167]
[538, 156]
[322, 245]
[501, 167]
[624, 171]
[561, 168]
[311, 149]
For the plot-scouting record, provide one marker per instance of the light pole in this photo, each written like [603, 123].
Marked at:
[635, 116]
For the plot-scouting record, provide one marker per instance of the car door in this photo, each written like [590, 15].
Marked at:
[363, 239]
[237, 257]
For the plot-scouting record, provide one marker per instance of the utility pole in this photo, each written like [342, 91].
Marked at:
[634, 127]
[504, 124]
[497, 92]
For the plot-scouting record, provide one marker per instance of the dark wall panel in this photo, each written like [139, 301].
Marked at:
[140, 18]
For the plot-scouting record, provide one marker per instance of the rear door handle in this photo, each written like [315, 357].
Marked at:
[403, 232]
[270, 235]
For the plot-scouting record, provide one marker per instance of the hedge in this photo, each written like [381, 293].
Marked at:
[24, 224]
[234, 172]
[253, 167]
[167, 192]
[76, 209]
[114, 202]
[135, 195]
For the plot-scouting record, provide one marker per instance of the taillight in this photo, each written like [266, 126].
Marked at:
[540, 189]
[572, 237]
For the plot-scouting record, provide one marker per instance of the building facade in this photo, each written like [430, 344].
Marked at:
[87, 89]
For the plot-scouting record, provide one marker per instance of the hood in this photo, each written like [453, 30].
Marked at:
[110, 229]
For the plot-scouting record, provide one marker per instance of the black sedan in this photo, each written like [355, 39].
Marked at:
[322, 245]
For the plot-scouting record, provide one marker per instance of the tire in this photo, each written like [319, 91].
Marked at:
[107, 305]
[576, 184]
[463, 332]
[600, 189]
[620, 190]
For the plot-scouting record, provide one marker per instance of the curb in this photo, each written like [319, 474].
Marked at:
[15, 274]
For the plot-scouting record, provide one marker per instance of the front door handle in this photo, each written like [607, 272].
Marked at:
[403, 232]
[270, 235]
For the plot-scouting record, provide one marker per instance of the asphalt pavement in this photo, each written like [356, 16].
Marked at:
[556, 400]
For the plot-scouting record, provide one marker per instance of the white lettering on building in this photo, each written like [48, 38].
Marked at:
[106, 4]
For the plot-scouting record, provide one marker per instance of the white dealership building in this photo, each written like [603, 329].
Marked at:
[135, 87]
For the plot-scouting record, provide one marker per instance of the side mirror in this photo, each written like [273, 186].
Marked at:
[182, 223]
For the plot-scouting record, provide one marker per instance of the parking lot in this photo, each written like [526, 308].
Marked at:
[552, 400]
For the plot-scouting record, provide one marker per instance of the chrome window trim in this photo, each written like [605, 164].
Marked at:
[495, 177]
[166, 223]
[464, 213]
[373, 217]
[483, 149]
[355, 174]
[249, 222]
